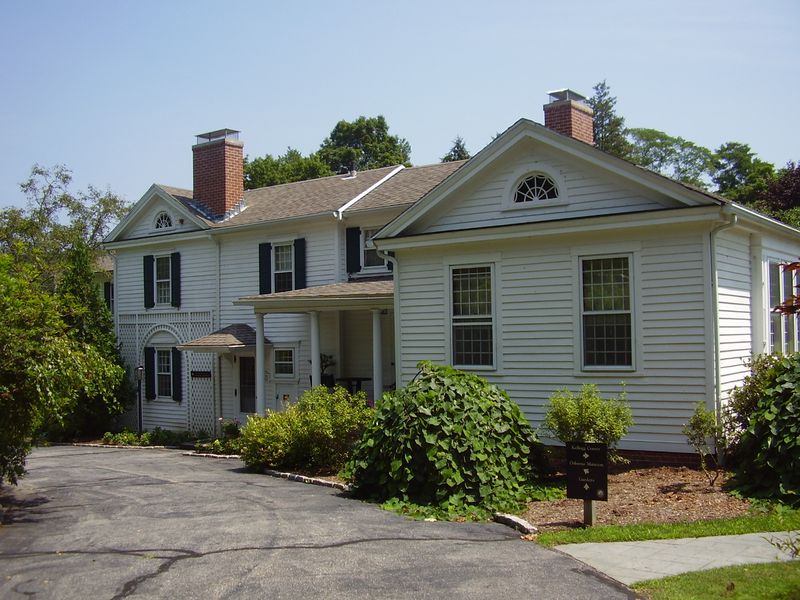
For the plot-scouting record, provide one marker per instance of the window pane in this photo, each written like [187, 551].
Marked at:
[163, 292]
[606, 284]
[472, 292]
[607, 340]
[472, 344]
[247, 384]
[283, 282]
[284, 362]
[162, 267]
[164, 370]
[283, 257]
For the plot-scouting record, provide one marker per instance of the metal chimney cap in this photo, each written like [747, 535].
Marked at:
[219, 134]
[565, 94]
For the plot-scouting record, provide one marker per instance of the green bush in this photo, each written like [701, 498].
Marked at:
[157, 437]
[744, 399]
[587, 417]
[449, 440]
[706, 435]
[767, 456]
[317, 433]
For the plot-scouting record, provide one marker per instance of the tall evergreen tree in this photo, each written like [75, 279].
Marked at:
[739, 175]
[457, 152]
[609, 127]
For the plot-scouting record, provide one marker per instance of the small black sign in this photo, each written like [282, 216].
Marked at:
[201, 374]
[587, 471]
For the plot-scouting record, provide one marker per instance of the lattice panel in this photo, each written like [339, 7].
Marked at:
[202, 415]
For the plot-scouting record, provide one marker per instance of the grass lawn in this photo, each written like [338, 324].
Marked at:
[776, 581]
[783, 519]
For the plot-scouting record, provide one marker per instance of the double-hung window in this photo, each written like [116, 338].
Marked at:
[163, 280]
[164, 373]
[284, 362]
[784, 336]
[472, 316]
[370, 261]
[283, 267]
[606, 313]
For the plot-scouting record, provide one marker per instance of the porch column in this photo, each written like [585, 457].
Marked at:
[261, 400]
[377, 356]
[316, 377]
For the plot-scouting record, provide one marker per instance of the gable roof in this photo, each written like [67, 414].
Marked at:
[525, 128]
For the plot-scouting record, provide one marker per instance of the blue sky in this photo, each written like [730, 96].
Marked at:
[117, 90]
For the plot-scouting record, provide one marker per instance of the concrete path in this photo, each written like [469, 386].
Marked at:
[630, 562]
[116, 523]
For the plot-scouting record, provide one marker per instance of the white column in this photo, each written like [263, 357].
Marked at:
[316, 370]
[261, 400]
[377, 355]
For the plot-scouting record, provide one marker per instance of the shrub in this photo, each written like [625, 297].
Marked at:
[316, 433]
[767, 455]
[587, 417]
[706, 435]
[450, 440]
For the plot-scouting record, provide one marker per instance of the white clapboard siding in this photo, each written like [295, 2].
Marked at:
[145, 224]
[734, 274]
[588, 191]
[537, 319]
[164, 413]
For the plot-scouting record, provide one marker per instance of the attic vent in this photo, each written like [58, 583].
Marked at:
[536, 187]
[163, 221]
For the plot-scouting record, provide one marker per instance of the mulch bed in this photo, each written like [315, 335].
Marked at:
[646, 495]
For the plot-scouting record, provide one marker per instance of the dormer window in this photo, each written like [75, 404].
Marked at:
[536, 188]
[163, 221]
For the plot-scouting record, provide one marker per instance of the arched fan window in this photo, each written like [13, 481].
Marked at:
[537, 187]
[163, 221]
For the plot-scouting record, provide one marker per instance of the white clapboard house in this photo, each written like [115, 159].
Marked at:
[540, 263]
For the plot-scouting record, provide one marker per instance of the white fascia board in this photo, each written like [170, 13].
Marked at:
[756, 218]
[525, 128]
[147, 198]
[710, 214]
[340, 211]
[158, 240]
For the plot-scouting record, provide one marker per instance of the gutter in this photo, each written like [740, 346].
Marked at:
[732, 221]
[339, 213]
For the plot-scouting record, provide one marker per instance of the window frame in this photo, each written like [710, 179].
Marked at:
[365, 238]
[525, 172]
[163, 214]
[489, 318]
[276, 272]
[791, 279]
[292, 362]
[168, 280]
[630, 311]
[159, 350]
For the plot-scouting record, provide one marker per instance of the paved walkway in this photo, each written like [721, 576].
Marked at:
[629, 562]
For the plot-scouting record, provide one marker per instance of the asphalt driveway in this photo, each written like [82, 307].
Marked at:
[118, 523]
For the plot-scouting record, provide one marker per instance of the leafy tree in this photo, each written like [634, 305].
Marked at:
[783, 193]
[671, 156]
[609, 127]
[43, 369]
[364, 144]
[457, 152]
[739, 175]
[286, 168]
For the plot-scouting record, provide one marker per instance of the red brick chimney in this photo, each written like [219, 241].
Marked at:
[569, 114]
[218, 171]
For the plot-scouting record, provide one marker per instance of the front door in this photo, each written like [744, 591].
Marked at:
[247, 387]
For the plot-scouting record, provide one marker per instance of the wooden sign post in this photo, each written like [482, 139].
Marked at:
[587, 475]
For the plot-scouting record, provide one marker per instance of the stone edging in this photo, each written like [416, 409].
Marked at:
[209, 455]
[89, 445]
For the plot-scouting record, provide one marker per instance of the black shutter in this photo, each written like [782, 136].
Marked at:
[149, 281]
[107, 293]
[175, 275]
[150, 373]
[265, 268]
[390, 265]
[299, 263]
[353, 249]
[177, 375]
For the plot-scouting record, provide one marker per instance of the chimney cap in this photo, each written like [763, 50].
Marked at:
[565, 94]
[219, 134]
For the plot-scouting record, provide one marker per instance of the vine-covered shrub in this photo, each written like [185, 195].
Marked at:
[450, 440]
[744, 399]
[587, 417]
[767, 455]
[316, 433]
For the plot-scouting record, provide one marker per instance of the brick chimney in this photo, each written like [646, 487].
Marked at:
[218, 172]
[569, 114]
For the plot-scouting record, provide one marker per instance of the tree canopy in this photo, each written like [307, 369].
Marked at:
[609, 127]
[285, 168]
[363, 144]
[457, 152]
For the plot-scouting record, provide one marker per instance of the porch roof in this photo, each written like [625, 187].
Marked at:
[365, 294]
[237, 336]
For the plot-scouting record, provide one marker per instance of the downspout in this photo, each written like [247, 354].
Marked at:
[396, 319]
[731, 222]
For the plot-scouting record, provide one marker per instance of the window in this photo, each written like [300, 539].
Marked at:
[163, 280]
[163, 221]
[606, 315]
[164, 372]
[369, 256]
[284, 362]
[537, 187]
[247, 384]
[472, 326]
[283, 267]
[108, 295]
[784, 336]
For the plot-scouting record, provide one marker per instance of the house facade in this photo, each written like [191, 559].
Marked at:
[540, 263]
